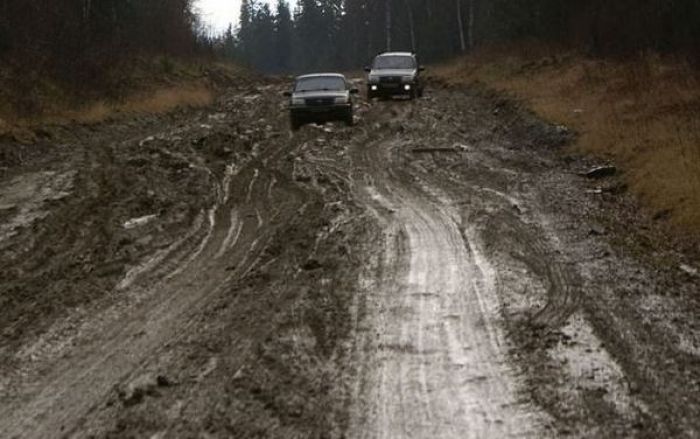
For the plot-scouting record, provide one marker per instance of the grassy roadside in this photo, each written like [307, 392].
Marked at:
[642, 114]
[152, 86]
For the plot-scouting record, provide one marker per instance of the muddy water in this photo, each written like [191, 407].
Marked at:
[22, 200]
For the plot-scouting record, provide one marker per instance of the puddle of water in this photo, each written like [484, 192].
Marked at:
[590, 367]
[24, 198]
[668, 313]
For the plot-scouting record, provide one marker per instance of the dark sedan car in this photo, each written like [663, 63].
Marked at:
[321, 97]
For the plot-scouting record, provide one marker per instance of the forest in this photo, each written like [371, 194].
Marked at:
[78, 41]
[342, 34]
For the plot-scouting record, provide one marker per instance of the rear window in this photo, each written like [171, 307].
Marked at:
[394, 62]
[320, 83]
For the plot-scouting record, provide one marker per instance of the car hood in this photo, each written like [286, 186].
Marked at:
[320, 94]
[393, 72]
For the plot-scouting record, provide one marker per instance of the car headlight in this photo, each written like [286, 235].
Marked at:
[298, 101]
[374, 88]
[341, 100]
[373, 79]
[406, 79]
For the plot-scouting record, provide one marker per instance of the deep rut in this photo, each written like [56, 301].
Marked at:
[441, 368]
[170, 286]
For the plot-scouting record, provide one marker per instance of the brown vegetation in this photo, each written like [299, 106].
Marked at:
[642, 114]
[147, 87]
[159, 101]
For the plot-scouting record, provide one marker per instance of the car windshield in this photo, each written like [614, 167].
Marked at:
[394, 62]
[320, 83]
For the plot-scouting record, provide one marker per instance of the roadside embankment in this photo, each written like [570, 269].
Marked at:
[144, 86]
[642, 115]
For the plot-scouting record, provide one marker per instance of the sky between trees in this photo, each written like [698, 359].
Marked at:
[220, 13]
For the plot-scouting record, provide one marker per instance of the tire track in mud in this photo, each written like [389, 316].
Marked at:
[565, 369]
[440, 368]
[344, 284]
[171, 286]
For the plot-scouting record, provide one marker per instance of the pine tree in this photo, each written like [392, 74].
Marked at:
[284, 29]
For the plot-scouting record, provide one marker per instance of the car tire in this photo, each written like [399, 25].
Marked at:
[295, 123]
[349, 118]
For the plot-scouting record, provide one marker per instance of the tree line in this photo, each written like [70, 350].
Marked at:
[324, 34]
[76, 41]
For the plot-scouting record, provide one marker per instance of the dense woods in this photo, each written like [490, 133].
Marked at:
[77, 41]
[346, 33]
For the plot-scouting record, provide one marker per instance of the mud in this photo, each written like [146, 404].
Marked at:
[443, 269]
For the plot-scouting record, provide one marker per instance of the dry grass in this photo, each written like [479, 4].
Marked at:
[141, 86]
[159, 101]
[642, 114]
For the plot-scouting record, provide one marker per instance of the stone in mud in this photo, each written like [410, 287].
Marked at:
[136, 391]
[138, 222]
[311, 264]
[146, 141]
[24, 136]
[601, 172]
[163, 381]
[597, 230]
[690, 271]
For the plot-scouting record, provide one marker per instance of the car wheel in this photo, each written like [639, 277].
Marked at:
[295, 123]
[349, 119]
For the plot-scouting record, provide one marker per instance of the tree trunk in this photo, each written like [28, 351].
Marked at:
[411, 25]
[460, 23]
[87, 10]
[388, 25]
[470, 40]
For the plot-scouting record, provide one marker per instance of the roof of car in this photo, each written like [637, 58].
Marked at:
[396, 54]
[315, 75]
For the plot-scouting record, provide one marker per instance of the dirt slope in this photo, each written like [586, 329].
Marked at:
[440, 270]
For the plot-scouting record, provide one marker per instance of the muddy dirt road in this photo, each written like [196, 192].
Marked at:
[441, 270]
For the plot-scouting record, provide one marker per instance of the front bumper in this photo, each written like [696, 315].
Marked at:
[321, 112]
[391, 88]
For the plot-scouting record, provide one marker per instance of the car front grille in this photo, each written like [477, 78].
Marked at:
[317, 102]
[390, 79]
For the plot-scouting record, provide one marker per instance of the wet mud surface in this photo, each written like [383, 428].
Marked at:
[440, 270]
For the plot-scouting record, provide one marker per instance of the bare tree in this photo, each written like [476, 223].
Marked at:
[470, 39]
[411, 24]
[388, 24]
[460, 24]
